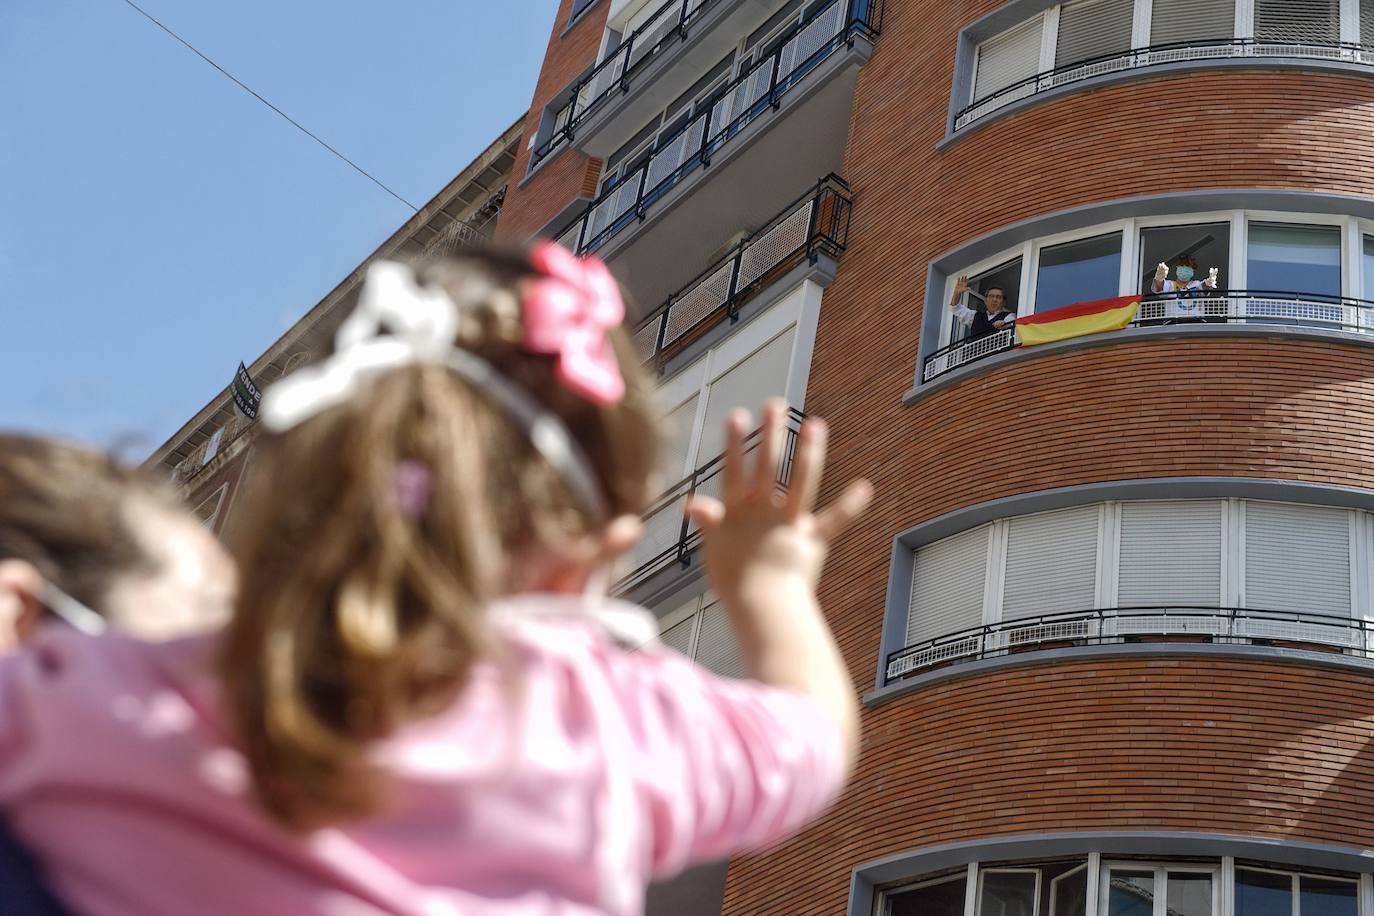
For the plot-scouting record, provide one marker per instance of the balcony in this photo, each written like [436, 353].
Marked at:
[187, 469]
[790, 110]
[1239, 50]
[1289, 629]
[670, 538]
[815, 227]
[1255, 307]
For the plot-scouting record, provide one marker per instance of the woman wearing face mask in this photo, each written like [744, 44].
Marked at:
[1185, 302]
[80, 532]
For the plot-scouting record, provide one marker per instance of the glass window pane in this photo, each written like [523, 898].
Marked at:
[1302, 259]
[1132, 893]
[1200, 247]
[1078, 272]
[1007, 893]
[943, 899]
[1262, 893]
[1190, 894]
[1069, 893]
[1327, 897]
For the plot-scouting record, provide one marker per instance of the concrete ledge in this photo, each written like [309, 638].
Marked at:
[958, 670]
[1169, 332]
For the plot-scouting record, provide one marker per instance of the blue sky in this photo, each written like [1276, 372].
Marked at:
[158, 224]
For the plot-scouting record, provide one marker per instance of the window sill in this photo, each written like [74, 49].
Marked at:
[925, 390]
[956, 671]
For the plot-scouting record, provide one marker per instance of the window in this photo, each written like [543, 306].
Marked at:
[1263, 892]
[1008, 892]
[1368, 251]
[1298, 21]
[578, 8]
[1367, 23]
[1078, 271]
[700, 630]
[1209, 244]
[1135, 891]
[1006, 277]
[1179, 21]
[1008, 59]
[941, 897]
[1277, 559]
[1295, 257]
[1090, 29]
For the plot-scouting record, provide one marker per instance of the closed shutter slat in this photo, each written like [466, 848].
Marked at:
[1298, 21]
[1093, 28]
[947, 586]
[1367, 23]
[1008, 58]
[1051, 563]
[1297, 558]
[1177, 21]
[716, 647]
[1170, 554]
[679, 636]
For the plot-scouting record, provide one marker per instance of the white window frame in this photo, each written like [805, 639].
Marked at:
[1161, 870]
[1353, 229]
[1142, 18]
[1005, 870]
[798, 310]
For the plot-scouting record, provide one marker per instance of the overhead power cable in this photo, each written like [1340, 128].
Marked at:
[290, 120]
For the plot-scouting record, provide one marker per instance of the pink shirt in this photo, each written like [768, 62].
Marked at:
[604, 770]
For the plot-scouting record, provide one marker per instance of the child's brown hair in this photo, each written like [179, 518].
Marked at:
[360, 613]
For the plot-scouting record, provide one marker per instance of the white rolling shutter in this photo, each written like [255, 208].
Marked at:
[716, 648]
[1176, 21]
[1008, 58]
[1093, 28]
[679, 636]
[1051, 563]
[750, 382]
[947, 585]
[1367, 23]
[1170, 554]
[1297, 558]
[1298, 21]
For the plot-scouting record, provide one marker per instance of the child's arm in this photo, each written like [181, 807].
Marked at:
[764, 551]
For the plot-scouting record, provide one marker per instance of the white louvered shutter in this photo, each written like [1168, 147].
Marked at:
[1051, 563]
[716, 649]
[1177, 21]
[750, 382]
[1297, 558]
[947, 585]
[1367, 23]
[1298, 21]
[1093, 28]
[679, 636]
[1008, 58]
[1170, 554]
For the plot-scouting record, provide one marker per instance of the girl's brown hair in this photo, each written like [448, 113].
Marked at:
[64, 509]
[356, 616]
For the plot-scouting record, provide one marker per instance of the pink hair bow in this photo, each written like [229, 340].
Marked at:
[568, 314]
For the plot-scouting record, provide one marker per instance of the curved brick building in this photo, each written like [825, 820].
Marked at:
[1109, 610]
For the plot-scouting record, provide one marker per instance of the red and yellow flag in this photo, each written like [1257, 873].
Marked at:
[1076, 320]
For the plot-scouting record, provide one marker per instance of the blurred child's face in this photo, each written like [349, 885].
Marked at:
[191, 587]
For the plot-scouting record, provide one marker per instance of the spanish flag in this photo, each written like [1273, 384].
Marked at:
[1076, 320]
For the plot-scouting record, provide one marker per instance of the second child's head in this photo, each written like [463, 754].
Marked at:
[470, 438]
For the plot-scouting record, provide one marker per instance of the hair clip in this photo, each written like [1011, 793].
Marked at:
[568, 313]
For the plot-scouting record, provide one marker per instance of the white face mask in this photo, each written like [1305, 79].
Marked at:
[70, 611]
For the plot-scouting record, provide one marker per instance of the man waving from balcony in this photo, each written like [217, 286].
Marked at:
[993, 317]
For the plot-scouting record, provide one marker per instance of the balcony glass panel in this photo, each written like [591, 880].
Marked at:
[1078, 271]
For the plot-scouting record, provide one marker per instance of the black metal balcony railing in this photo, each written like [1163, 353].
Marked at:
[1243, 626]
[1276, 307]
[1158, 55]
[816, 224]
[669, 535]
[188, 467]
[759, 89]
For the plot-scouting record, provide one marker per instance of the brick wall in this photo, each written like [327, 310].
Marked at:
[569, 174]
[1217, 745]
[1229, 746]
